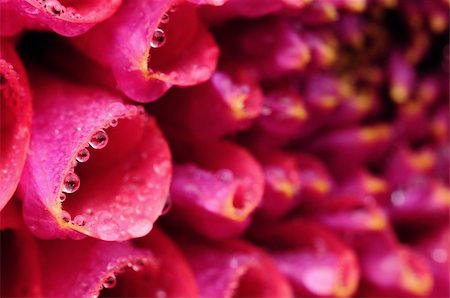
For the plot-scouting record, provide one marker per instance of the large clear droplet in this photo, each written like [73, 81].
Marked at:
[99, 140]
[71, 183]
[83, 155]
[159, 39]
[165, 18]
[109, 282]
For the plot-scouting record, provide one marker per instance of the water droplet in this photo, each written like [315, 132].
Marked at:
[158, 39]
[398, 198]
[79, 220]
[66, 216]
[138, 265]
[114, 122]
[62, 197]
[83, 155]
[89, 211]
[165, 18]
[109, 282]
[99, 140]
[71, 183]
[439, 255]
[167, 205]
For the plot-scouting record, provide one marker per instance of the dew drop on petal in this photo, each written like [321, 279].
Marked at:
[71, 183]
[138, 266]
[83, 155]
[165, 18]
[65, 216]
[109, 282]
[62, 197]
[79, 220]
[158, 39]
[114, 122]
[99, 140]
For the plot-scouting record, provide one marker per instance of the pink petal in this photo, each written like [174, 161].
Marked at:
[15, 120]
[71, 19]
[170, 275]
[184, 57]
[216, 195]
[234, 269]
[114, 201]
[315, 261]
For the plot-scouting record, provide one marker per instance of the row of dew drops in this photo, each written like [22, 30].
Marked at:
[71, 182]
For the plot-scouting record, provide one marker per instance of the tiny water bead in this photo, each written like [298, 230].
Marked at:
[83, 155]
[109, 282]
[158, 39]
[62, 197]
[165, 18]
[71, 183]
[114, 122]
[99, 140]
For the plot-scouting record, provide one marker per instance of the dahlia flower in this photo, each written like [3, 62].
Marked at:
[224, 148]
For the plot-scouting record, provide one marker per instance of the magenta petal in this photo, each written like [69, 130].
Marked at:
[436, 249]
[216, 195]
[390, 269]
[15, 120]
[114, 200]
[91, 265]
[282, 184]
[234, 269]
[73, 18]
[184, 54]
[225, 104]
[20, 273]
[315, 261]
[167, 275]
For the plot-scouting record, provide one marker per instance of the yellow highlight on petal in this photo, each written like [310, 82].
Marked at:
[237, 214]
[238, 107]
[357, 5]
[321, 186]
[348, 281]
[286, 187]
[442, 194]
[363, 102]
[298, 112]
[377, 221]
[422, 161]
[375, 133]
[328, 101]
[399, 93]
[438, 24]
[375, 185]
[419, 285]
[330, 12]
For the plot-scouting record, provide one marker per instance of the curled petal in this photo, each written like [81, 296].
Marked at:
[171, 276]
[216, 195]
[85, 169]
[15, 120]
[349, 148]
[92, 268]
[329, 267]
[225, 104]
[234, 269]
[282, 184]
[158, 54]
[390, 269]
[66, 18]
